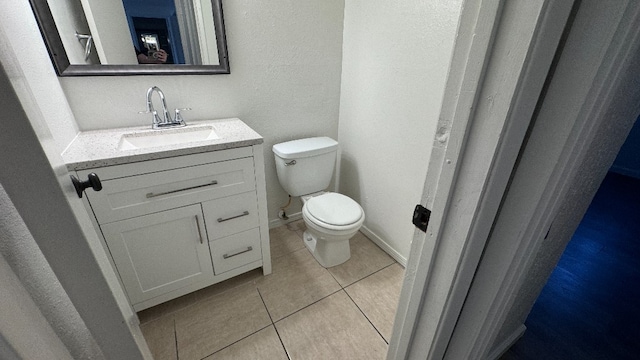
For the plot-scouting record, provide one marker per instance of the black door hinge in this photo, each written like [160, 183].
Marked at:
[421, 217]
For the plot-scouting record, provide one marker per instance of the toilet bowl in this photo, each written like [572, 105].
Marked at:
[331, 220]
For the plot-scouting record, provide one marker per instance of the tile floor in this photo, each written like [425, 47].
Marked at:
[300, 311]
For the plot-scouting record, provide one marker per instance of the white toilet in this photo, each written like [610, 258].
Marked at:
[305, 168]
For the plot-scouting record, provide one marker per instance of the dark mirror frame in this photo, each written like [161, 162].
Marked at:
[61, 63]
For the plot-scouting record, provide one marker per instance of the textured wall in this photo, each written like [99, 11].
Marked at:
[285, 59]
[395, 61]
[24, 332]
[21, 252]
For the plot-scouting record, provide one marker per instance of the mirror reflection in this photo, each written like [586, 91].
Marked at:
[126, 32]
[133, 37]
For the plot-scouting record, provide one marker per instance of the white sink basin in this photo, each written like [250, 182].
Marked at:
[164, 137]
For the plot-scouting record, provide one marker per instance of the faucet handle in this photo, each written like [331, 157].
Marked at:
[178, 117]
[154, 115]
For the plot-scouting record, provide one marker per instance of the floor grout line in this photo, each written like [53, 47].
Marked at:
[366, 317]
[274, 325]
[306, 306]
[175, 337]
[265, 305]
[255, 332]
[373, 273]
[334, 278]
[237, 341]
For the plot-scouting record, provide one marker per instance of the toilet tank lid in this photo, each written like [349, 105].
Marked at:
[305, 147]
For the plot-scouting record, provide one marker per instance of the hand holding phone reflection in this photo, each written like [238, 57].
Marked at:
[160, 56]
[153, 57]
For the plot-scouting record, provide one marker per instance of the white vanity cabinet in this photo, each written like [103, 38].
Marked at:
[179, 224]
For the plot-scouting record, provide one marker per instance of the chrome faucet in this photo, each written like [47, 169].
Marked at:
[167, 121]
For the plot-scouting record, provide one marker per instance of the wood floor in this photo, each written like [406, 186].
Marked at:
[590, 308]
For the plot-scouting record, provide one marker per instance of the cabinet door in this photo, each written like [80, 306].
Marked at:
[159, 253]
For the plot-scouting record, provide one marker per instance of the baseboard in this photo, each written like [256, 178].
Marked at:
[384, 246]
[274, 223]
[499, 350]
[634, 173]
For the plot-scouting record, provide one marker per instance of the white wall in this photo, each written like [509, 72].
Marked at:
[395, 61]
[285, 59]
[23, 52]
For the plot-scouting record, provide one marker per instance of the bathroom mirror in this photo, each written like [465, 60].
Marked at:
[133, 37]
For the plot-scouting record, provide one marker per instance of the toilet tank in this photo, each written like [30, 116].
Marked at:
[305, 166]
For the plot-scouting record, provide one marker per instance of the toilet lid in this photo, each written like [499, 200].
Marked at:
[334, 209]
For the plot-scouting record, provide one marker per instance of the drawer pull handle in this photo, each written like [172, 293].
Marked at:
[199, 232]
[226, 256]
[152, 195]
[244, 213]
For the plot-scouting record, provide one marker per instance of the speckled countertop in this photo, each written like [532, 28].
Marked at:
[91, 149]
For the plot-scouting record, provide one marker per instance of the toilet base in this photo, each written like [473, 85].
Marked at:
[327, 253]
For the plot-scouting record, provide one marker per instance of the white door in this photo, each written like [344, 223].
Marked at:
[590, 103]
[185, 13]
[501, 57]
[110, 30]
[159, 253]
[33, 175]
[206, 32]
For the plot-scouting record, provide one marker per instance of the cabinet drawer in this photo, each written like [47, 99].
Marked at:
[236, 250]
[231, 214]
[170, 163]
[124, 198]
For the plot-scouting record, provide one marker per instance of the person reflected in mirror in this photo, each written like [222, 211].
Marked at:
[152, 57]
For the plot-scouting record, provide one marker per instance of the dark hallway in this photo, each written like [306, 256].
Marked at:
[590, 307]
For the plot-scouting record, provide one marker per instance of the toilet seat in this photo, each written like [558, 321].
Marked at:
[333, 211]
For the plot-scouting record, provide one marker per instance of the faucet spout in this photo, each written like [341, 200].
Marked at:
[156, 119]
